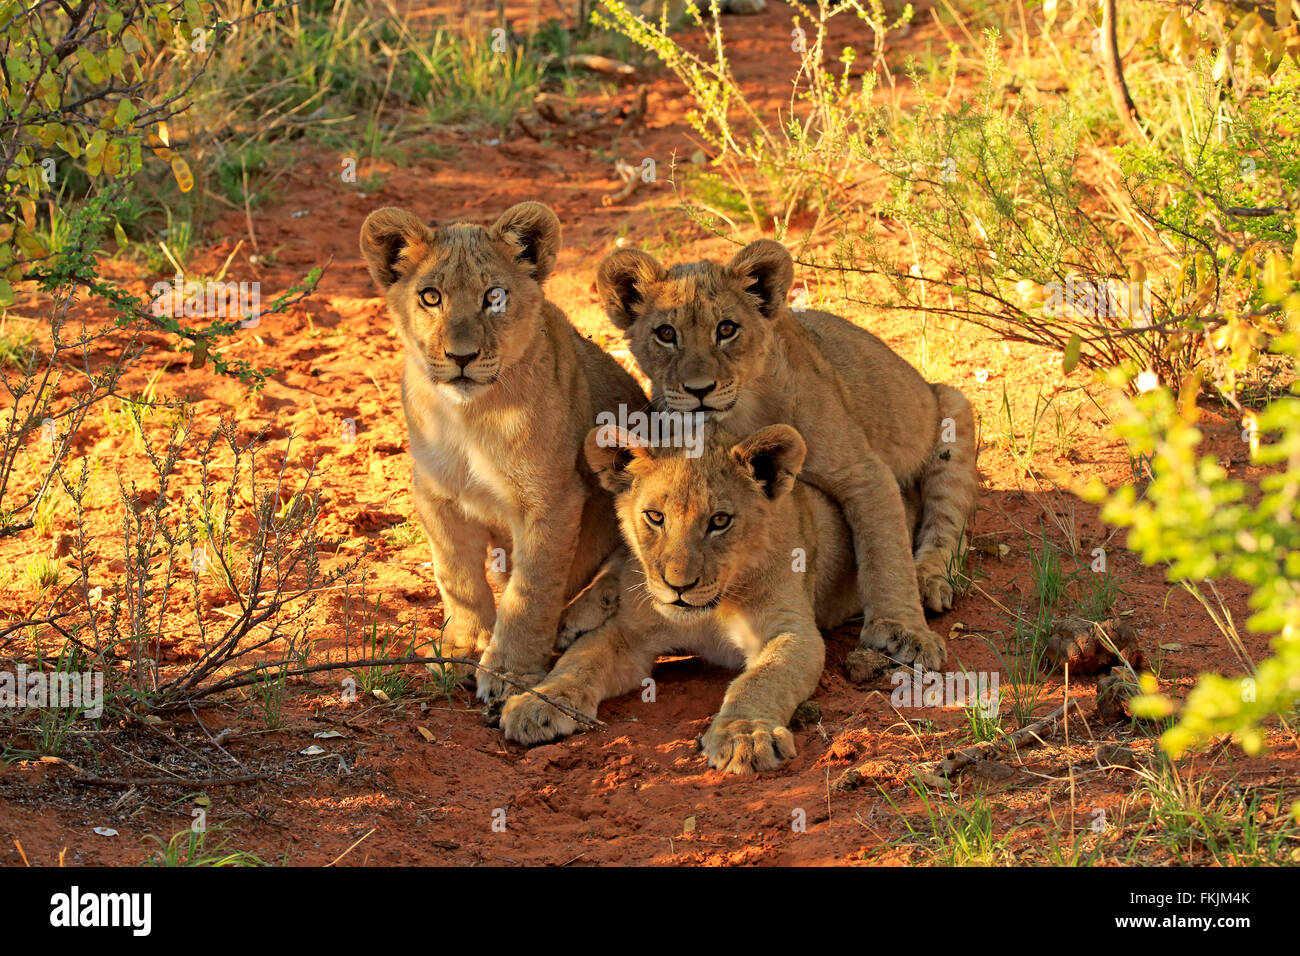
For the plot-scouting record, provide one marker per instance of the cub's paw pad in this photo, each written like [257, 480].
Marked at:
[529, 720]
[747, 746]
[905, 645]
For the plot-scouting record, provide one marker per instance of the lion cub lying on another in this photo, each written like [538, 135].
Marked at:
[720, 542]
[722, 340]
[499, 391]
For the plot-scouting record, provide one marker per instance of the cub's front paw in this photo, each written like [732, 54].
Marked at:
[905, 645]
[932, 579]
[467, 640]
[747, 746]
[494, 689]
[530, 720]
[936, 593]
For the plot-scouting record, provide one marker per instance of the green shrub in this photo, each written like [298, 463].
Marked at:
[1204, 524]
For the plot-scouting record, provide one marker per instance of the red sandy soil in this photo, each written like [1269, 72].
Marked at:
[637, 790]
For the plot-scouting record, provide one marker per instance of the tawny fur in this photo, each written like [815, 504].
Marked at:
[759, 590]
[872, 424]
[496, 442]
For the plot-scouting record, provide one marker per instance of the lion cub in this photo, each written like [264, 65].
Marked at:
[722, 340]
[736, 561]
[499, 391]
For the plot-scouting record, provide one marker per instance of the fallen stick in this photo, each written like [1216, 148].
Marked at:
[165, 781]
[955, 763]
[554, 111]
[939, 772]
[528, 130]
[627, 189]
[598, 64]
[601, 122]
[231, 683]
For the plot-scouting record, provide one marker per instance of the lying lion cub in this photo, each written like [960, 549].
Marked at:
[499, 392]
[722, 340]
[721, 543]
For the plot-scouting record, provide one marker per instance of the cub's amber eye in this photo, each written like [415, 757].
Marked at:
[666, 334]
[430, 298]
[727, 330]
[495, 300]
[720, 522]
[653, 518]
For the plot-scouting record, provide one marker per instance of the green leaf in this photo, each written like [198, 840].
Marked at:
[47, 88]
[1070, 360]
[90, 63]
[126, 112]
[95, 148]
[193, 15]
[114, 60]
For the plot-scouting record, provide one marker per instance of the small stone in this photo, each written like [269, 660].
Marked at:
[1116, 755]
[1113, 690]
[545, 756]
[843, 750]
[864, 665]
[1083, 644]
[992, 770]
[849, 780]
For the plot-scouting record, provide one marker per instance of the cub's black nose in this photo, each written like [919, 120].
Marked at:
[461, 360]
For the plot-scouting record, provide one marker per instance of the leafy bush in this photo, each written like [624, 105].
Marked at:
[1011, 234]
[1207, 525]
[83, 107]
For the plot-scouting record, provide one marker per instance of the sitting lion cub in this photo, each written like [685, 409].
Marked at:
[722, 340]
[721, 543]
[499, 392]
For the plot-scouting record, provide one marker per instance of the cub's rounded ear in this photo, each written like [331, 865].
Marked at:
[773, 457]
[535, 232]
[621, 283]
[610, 450]
[767, 272]
[390, 238]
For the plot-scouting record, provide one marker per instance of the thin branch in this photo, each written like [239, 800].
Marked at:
[260, 672]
